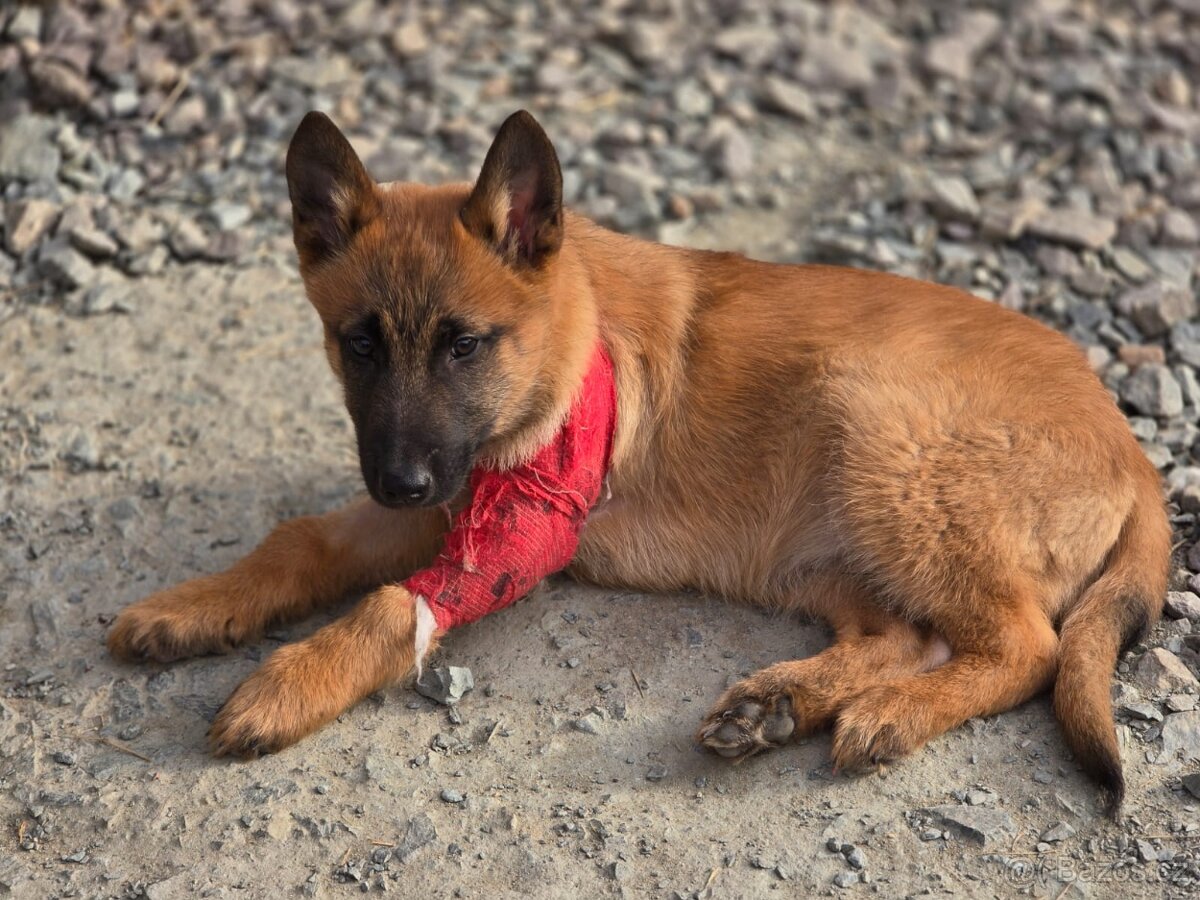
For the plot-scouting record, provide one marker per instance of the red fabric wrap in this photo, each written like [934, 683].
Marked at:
[523, 523]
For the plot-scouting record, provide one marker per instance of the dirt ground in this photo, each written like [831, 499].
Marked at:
[162, 438]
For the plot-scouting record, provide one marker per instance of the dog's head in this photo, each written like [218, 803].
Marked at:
[439, 313]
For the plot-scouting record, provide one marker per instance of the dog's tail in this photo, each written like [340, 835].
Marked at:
[1115, 611]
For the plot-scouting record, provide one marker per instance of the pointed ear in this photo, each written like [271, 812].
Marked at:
[516, 205]
[332, 194]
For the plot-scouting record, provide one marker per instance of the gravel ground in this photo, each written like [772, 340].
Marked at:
[164, 401]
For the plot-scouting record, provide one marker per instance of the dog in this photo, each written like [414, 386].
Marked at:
[945, 482]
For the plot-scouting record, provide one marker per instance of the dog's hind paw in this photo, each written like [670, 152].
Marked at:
[748, 727]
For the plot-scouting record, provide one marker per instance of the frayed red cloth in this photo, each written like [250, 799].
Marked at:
[523, 523]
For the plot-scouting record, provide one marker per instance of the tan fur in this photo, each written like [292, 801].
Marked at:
[942, 479]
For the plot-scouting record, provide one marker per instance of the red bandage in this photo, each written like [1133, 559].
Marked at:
[523, 523]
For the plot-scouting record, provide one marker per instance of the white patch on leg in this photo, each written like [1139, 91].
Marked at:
[426, 625]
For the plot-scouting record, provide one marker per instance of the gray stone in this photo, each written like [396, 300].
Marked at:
[980, 824]
[1147, 712]
[1160, 671]
[1056, 833]
[187, 240]
[636, 189]
[27, 149]
[1183, 605]
[58, 84]
[784, 96]
[590, 723]
[832, 64]
[1074, 227]
[227, 216]
[731, 153]
[1179, 228]
[64, 265]
[445, 685]
[1185, 342]
[125, 184]
[953, 197]
[1181, 732]
[94, 242]
[449, 795]
[1155, 308]
[846, 879]
[25, 223]
[953, 55]
[1191, 784]
[1153, 391]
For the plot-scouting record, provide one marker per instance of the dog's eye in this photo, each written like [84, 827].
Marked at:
[463, 346]
[361, 345]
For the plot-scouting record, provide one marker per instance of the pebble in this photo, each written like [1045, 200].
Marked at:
[450, 795]
[1153, 391]
[1160, 671]
[953, 196]
[27, 149]
[1074, 227]
[445, 685]
[1183, 605]
[25, 223]
[979, 824]
[64, 265]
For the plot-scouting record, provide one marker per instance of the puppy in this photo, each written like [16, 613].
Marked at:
[945, 482]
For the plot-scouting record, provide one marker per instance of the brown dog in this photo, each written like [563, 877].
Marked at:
[944, 481]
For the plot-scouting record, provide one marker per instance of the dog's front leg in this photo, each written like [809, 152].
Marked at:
[301, 565]
[304, 685]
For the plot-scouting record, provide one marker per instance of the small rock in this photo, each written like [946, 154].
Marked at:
[988, 827]
[656, 773]
[27, 149]
[787, 97]
[1155, 308]
[420, 833]
[449, 795]
[1179, 228]
[589, 724]
[953, 197]
[95, 243]
[1181, 732]
[1160, 671]
[1191, 784]
[65, 758]
[25, 223]
[953, 55]
[845, 879]
[731, 153]
[856, 858]
[1153, 391]
[188, 240]
[410, 40]
[445, 685]
[1043, 776]
[1147, 712]
[64, 265]
[1074, 227]
[617, 871]
[57, 84]
[1183, 605]
[1060, 831]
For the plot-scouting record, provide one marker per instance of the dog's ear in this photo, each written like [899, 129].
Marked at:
[332, 194]
[516, 205]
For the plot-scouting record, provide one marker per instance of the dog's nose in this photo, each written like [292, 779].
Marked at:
[406, 486]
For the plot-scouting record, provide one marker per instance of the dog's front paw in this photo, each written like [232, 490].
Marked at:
[739, 727]
[190, 619]
[289, 697]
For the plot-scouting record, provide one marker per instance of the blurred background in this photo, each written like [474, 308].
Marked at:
[164, 401]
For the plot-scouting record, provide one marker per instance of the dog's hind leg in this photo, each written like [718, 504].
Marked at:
[302, 565]
[795, 698]
[997, 663]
